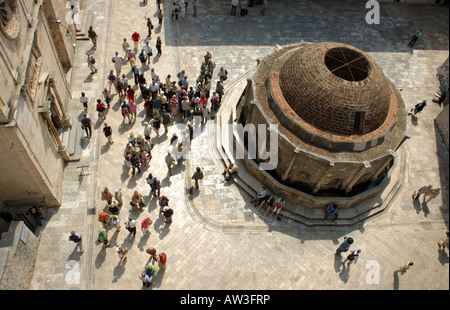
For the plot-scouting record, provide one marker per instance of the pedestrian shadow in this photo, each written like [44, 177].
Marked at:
[344, 275]
[162, 231]
[143, 241]
[414, 121]
[417, 206]
[101, 256]
[119, 270]
[89, 78]
[105, 148]
[443, 256]
[337, 262]
[125, 173]
[425, 209]
[158, 277]
[156, 58]
[396, 282]
[166, 181]
[124, 127]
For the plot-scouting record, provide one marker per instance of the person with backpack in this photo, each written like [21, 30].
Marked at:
[101, 109]
[167, 212]
[345, 245]
[77, 239]
[143, 59]
[112, 79]
[417, 108]
[91, 62]
[126, 111]
[155, 185]
[352, 257]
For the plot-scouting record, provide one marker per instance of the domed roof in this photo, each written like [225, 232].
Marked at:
[336, 88]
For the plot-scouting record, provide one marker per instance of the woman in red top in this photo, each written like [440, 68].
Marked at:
[130, 94]
[101, 109]
[203, 101]
[162, 258]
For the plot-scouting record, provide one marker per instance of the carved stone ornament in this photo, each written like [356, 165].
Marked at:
[9, 19]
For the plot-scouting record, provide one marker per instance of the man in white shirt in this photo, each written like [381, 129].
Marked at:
[154, 75]
[154, 88]
[148, 50]
[118, 62]
[131, 226]
[84, 100]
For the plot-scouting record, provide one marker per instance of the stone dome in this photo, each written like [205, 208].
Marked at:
[336, 88]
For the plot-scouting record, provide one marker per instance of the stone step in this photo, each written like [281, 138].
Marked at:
[86, 18]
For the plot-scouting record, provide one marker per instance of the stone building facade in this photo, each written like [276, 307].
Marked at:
[36, 53]
[340, 124]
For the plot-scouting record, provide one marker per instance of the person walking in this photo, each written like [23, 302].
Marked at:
[149, 27]
[93, 36]
[91, 62]
[152, 252]
[146, 279]
[86, 124]
[198, 175]
[166, 120]
[84, 100]
[159, 45]
[118, 63]
[107, 130]
[123, 253]
[415, 37]
[418, 108]
[125, 46]
[102, 237]
[345, 246]
[167, 212]
[101, 108]
[130, 225]
[403, 269]
[352, 257]
[137, 200]
[162, 259]
[77, 239]
[107, 196]
[135, 37]
[422, 191]
[160, 18]
[170, 161]
[145, 224]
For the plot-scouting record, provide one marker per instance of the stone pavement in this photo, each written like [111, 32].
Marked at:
[217, 240]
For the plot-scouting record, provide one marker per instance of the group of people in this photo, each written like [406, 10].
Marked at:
[428, 193]
[244, 4]
[264, 200]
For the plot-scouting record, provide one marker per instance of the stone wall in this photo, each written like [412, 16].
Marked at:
[442, 124]
[18, 249]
